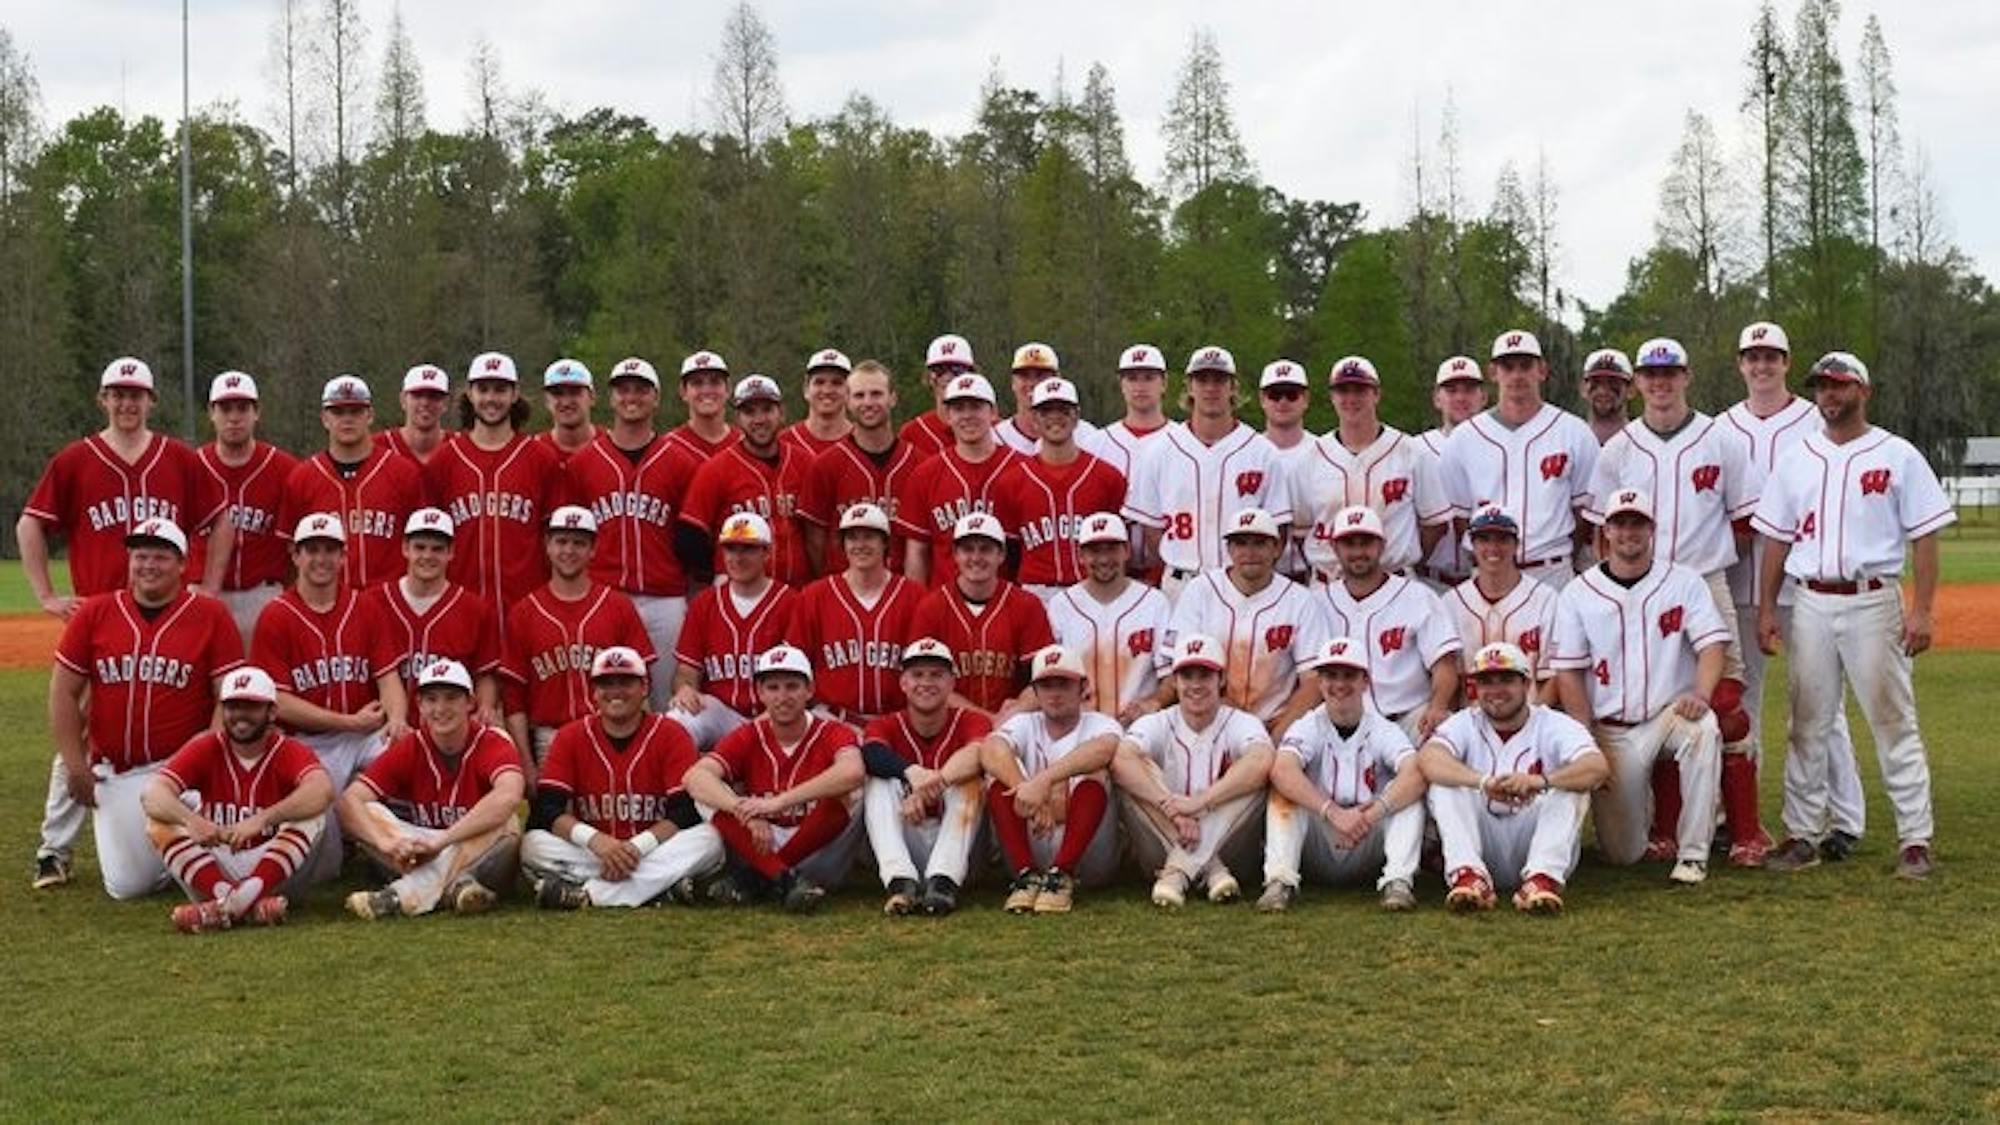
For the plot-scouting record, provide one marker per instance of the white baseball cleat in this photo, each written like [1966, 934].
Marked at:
[1170, 889]
[1688, 872]
[1222, 886]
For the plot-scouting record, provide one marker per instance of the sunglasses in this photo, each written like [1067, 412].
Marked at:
[1284, 394]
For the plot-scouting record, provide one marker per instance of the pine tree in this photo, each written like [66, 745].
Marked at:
[1769, 67]
[1202, 144]
[746, 95]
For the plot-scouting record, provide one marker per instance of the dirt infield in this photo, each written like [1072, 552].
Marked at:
[1968, 616]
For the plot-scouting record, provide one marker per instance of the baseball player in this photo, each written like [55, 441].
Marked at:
[1196, 476]
[568, 395]
[611, 823]
[426, 388]
[947, 358]
[758, 474]
[1701, 487]
[1508, 785]
[1770, 422]
[435, 813]
[1607, 385]
[1357, 774]
[1458, 392]
[1838, 520]
[251, 475]
[429, 617]
[236, 812]
[149, 656]
[923, 799]
[1527, 456]
[1191, 781]
[1049, 790]
[555, 632]
[374, 489]
[1363, 462]
[780, 791]
[1035, 364]
[986, 621]
[1282, 391]
[1499, 603]
[1411, 643]
[1142, 382]
[705, 392]
[826, 423]
[869, 466]
[1044, 495]
[953, 484]
[1268, 624]
[1115, 624]
[1638, 652]
[632, 480]
[853, 624]
[727, 626]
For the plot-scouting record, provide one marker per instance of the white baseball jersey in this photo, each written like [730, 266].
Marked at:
[1395, 476]
[1635, 645]
[1764, 441]
[1266, 635]
[1450, 557]
[1122, 641]
[1547, 742]
[1539, 472]
[1351, 769]
[1405, 630]
[1294, 460]
[1192, 760]
[1524, 617]
[1122, 444]
[1191, 490]
[1027, 734]
[1850, 509]
[1700, 481]
[1088, 438]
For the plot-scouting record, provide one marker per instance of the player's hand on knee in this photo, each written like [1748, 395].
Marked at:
[1031, 795]
[913, 809]
[1187, 830]
[1690, 706]
[925, 784]
[59, 606]
[616, 859]
[687, 700]
[245, 831]
[1916, 632]
[1428, 722]
[371, 716]
[761, 835]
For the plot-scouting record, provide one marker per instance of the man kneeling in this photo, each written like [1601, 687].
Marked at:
[923, 795]
[611, 824]
[435, 813]
[262, 807]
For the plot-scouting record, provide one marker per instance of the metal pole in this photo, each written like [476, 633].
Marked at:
[187, 241]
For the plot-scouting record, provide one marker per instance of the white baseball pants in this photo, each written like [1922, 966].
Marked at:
[1299, 842]
[707, 728]
[62, 817]
[1507, 844]
[126, 857]
[1228, 835]
[662, 618]
[1847, 809]
[343, 753]
[245, 606]
[944, 842]
[490, 858]
[236, 865]
[688, 852]
[1624, 809]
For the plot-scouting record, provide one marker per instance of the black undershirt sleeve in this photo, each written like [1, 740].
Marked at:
[681, 810]
[697, 556]
[549, 803]
[1014, 552]
[881, 761]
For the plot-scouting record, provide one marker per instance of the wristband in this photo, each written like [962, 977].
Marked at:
[582, 834]
[644, 843]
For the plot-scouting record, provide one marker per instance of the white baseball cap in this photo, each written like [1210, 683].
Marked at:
[573, 517]
[346, 390]
[754, 388]
[1354, 369]
[232, 386]
[429, 521]
[1839, 367]
[1252, 521]
[1607, 361]
[566, 373]
[745, 529]
[444, 673]
[782, 659]
[1197, 650]
[248, 684]
[950, 349]
[1628, 501]
[1516, 341]
[703, 361]
[632, 367]
[864, 517]
[1459, 369]
[1661, 351]
[1032, 356]
[970, 385]
[928, 648]
[319, 525]
[159, 529]
[126, 371]
[1142, 357]
[617, 660]
[426, 377]
[494, 367]
[978, 525]
[1211, 358]
[1340, 652]
[1763, 334]
[1500, 657]
[1054, 389]
[1055, 662]
[1282, 373]
[1357, 519]
[829, 359]
[1102, 527]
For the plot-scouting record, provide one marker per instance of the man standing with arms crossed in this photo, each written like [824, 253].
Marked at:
[373, 489]
[826, 423]
[1114, 623]
[568, 396]
[1838, 519]
[1363, 462]
[1458, 393]
[1044, 495]
[426, 388]
[252, 477]
[853, 624]
[955, 483]
[869, 466]
[945, 360]
[1409, 640]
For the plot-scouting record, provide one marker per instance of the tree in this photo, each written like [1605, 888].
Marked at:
[1697, 205]
[399, 97]
[20, 114]
[336, 58]
[1543, 243]
[1933, 357]
[746, 96]
[1362, 312]
[1769, 70]
[1202, 144]
[286, 66]
[1877, 90]
[1824, 204]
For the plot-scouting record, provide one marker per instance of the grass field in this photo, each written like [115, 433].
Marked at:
[1837, 993]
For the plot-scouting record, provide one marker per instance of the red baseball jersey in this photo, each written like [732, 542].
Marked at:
[457, 627]
[702, 448]
[943, 489]
[439, 788]
[392, 440]
[735, 481]
[758, 765]
[622, 792]
[635, 498]
[548, 438]
[152, 678]
[960, 727]
[252, 493]
[990, 644]
[928, 433]
[802, 439]
[498, 500]
[374, 502]
[233, 789]
[89, 495]
[856, 649]
[1043, 506]
[723, 641]
[846, 475]
[549, 646]
[329, 659]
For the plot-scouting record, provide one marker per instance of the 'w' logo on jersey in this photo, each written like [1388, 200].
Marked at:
[1247, 483]
[1670, 622]
[1391, 640]
[1140, 642]
[1396, 490]
[1705, 477]
[1554, 465]
[1277, 637]
[1531, 641]
[1875, 480]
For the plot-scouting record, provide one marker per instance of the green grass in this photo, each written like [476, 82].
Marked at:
[15, 597]
[1839, 992]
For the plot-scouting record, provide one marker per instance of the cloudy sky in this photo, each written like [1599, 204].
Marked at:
[1325, 94]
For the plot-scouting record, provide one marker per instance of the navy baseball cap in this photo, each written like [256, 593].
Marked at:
[1493, 518]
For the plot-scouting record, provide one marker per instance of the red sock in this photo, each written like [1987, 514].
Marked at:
[1739, 797]
[286, 851]
[824, 824]
[1087, 802]
[737, 839]
[1666, 800]
[1012, 830]
[192, 867]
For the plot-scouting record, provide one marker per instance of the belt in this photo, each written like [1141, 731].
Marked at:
[1179, 575]
[1550, 561]
[1860, 587]
[1333, 579]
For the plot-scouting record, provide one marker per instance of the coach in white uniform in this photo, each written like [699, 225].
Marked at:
[1499, 603]
[1116, 624]
[1838, 518]
[1411, 642]
[1363, 462]
[1458, 394]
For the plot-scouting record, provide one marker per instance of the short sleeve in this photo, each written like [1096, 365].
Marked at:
[1569, 647]
[559, 768]
[389, 775]
[1923, 505]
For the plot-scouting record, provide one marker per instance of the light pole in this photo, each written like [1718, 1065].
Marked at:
[187, 241]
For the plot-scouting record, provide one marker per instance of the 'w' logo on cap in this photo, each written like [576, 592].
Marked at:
[493, 364]
[949, 347]
[1513, 339]
[241, 681]
[128, 368]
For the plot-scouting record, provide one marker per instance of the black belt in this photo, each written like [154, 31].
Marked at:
[1179, 575]
[1550, 561]
[1860, 587]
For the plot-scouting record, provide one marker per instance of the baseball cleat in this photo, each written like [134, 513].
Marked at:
[1689, 872]
[1539, 894]
[1794, 854]
[1660, 849]
[1058, 893]
[1277, 898]
[51, 871]
[940, 896]
[1750, 850]
[902, 899]
[1470, 891]
[1222, 886]
[1398, 896]
[1022, 893]
[682, 893]
[1838, 845]
[1915, 863]
[801, 895]
[269, 910]
[1170, 889]
[553, 893]
[470, 896]
[202, 917]
[374, 905]
[740, 888]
